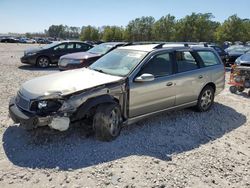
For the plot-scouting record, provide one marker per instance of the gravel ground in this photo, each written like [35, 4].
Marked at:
[177, 149]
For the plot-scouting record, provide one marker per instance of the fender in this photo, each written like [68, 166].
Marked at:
[86, 106]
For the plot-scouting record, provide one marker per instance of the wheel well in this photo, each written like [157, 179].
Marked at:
[89, 107]
[93, 108]
[42, 56]
[212, 85]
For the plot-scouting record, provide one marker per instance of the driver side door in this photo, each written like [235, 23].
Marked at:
[58, 51]
[158, 94]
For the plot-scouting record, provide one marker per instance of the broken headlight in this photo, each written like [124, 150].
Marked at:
[46, 106]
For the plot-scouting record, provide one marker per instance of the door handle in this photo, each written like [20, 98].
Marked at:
[200, 77]
[169, 84]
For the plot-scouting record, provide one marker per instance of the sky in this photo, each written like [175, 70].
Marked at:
[20, 16]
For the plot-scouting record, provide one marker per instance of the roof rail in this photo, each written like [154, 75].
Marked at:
[185, 44]
[141, 43]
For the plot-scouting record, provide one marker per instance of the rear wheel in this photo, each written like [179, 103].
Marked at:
[107, 121]
[206, 99]
[43, 62]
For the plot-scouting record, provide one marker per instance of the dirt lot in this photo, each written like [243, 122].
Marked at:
[177, 149]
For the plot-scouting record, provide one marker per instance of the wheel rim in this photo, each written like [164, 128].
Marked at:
[114, 122]
[206, 99]
[43, 62]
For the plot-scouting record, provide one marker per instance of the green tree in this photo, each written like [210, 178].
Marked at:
[164, 28]
[196, 27]
[140, 29]
[89, 33]
[112, 33]
[232, 29]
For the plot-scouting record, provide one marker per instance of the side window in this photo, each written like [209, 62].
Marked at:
[70, 46]
[208, 58]
[82, 46]
[159, 66]
[60, 47]
[185, 62]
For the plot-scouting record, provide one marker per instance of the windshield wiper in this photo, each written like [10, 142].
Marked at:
[98, 70]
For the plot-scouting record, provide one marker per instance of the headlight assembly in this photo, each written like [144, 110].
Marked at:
[65, 62]
[42, 104]
[237, 61]
[46, 106]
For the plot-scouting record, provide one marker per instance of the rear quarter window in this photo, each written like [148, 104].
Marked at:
[209, 58]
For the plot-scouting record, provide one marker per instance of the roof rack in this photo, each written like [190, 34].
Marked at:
[185, 44]
[142, 43]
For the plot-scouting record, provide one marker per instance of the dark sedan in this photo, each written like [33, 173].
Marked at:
[234, 52]
[50, 54]
[9, 40]
[84, 59]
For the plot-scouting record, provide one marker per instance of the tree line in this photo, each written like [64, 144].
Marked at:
[196, 27]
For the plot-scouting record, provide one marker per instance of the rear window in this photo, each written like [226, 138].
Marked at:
[209, 58]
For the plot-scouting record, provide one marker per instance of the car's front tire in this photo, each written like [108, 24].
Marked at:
[206, 99]
[107, 121]
[43, 62]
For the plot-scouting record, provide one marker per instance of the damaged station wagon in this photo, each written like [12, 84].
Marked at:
[124, 86]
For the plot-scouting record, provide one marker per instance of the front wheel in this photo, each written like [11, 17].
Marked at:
[206, 99]
[43, 62]
[107, 121]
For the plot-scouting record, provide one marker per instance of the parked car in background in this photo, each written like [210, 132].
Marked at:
[10, 40]
[234, 52]
[43, 41]
[84, 59]
[122, 87]
[222, 53]
[243, 60]
[27, 40]
[50, 54]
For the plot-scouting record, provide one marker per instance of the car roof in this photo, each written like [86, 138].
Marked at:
[144, 47]
[153, 47]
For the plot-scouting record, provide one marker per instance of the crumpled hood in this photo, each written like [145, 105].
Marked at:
[65, 82]
[80, 55]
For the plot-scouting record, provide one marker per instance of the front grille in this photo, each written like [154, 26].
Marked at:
[22, 102]
[245, 64]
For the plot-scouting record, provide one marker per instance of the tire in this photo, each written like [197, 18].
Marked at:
[233, 89]
[248, 93]
[241, 89]
[43, 62]
[107, 121]
[206, 99]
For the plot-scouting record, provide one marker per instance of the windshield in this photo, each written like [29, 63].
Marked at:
[101, 49]
[119, 62]
[50, 45]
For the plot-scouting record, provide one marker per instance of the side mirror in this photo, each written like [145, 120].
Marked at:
[145, 78]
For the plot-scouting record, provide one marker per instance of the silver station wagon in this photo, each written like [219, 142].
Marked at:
[126, 85]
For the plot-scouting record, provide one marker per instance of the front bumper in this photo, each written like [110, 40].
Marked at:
[28, 60]
[70, 66]
[27, 120]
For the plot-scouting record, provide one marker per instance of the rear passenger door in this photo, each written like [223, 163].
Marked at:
[152, 96]
[80, 47]
[190, 77]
